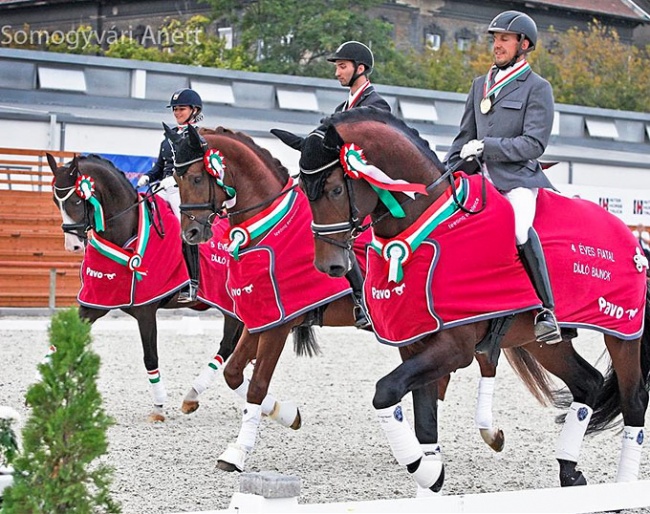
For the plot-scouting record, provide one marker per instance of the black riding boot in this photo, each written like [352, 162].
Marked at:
[191, 254]
[355, 279]
[532, 258]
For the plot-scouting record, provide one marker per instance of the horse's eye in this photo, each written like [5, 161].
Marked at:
[197, 179]
[337, 191]
[78, 202]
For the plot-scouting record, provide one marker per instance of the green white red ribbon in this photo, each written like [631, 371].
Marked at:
[356, 166]
[132, 259]
[215, 165]
[397, 250]
[241, 235]
[85, 188]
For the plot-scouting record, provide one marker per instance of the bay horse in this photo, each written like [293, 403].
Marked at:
[99, 204]
[445, 241]
[221, 173]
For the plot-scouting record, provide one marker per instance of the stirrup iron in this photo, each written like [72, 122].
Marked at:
[546, 328]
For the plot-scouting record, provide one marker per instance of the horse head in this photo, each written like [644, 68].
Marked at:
[89, 191]
[221, 172]
[358, 163]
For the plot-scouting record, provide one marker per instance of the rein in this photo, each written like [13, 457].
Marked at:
[81, 229]
[321, 231]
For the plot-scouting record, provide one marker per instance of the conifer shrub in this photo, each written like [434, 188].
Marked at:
[58, 470]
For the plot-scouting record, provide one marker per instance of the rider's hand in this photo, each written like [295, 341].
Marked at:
[168, 182]
[472, 149]
[143, 181]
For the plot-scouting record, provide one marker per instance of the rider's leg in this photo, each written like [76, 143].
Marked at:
[355, 278]
[191, 254]
[523, 202]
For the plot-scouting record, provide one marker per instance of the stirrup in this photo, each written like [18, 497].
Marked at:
[188, 294]
[361, 318]
[546, 328]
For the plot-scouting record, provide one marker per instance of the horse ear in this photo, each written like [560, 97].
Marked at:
[52, 162]
[289, 138]
[196, 141]
[74, 164]
[171, 134]
[332, 140]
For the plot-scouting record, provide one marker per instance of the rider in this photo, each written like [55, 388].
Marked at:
[354, 62]
[186, 105]
[507, 120]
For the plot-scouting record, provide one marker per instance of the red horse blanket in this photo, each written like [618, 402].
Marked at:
[276, 281]
[466, 268]
[214, 261]
[107, 284]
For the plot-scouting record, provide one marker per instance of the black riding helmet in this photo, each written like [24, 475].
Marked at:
[517, 23]
[188, 97]
[356, 52]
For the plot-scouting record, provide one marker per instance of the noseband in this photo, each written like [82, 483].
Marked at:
[81, 228]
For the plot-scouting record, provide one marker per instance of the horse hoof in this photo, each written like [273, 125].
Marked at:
[297, 423]
[494, 438]
[189, 407]
[156, 417]
[232, 459]
[576, 479]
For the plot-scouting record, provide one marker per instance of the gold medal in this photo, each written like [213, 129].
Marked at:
[486, 105]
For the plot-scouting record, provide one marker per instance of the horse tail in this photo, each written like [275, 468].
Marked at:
[608, 404]
[534, 376]
[304, 341]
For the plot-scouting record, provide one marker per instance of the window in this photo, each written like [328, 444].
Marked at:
[64, 80]
[601, 128]
[432, 41]
[463, 43]
[225, 33]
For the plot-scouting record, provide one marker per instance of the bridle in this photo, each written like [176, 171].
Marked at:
[224, 211]
[81, 228]
[322, 231]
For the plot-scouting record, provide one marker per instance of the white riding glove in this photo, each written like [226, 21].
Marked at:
[168, 182]
[474, 148]
[143, 180]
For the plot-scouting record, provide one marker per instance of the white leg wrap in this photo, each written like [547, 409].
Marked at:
[268, 404]
[573, 432]
[431, 452]
[483, 415]
[403, 443]
[284, 413]
[250, 422]
[628, 464]
[158, 391]
[207, 376]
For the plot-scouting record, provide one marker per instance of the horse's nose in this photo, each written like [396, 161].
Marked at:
[336, 271]
[192, 236]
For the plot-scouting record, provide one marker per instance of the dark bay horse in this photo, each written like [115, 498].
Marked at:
[95, 198]
[443, 244]
[224, 173]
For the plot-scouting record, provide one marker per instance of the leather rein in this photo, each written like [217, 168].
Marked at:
[354, 226]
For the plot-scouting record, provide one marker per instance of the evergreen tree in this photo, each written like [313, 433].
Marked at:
[57, 472]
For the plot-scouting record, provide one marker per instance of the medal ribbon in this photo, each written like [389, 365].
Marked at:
[517, 71]
[129, 258]
[241, 235]
[398, 249]
[356, 96]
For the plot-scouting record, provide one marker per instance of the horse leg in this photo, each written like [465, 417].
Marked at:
[584, 382]
[493, 437]
[232, 329]
[436, 359]
[626, 356]
[425, 419]
[267, 347]
[145, 315]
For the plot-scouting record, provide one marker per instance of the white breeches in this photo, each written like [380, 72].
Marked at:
[524, 202]
[173, 198]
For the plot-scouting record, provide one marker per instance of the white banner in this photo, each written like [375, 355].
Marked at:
[630, 205]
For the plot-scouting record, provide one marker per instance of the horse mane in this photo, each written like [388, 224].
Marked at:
[370, 113]
[272, 162]
[105, 163]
